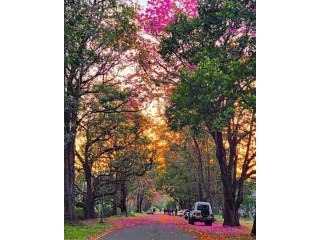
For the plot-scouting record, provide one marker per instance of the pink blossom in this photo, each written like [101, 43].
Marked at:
[193, 66]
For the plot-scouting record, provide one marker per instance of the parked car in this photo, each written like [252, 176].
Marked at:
[186, 213]
[180, 213]
[201, 212]
[150, 211]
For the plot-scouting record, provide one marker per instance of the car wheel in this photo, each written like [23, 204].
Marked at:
[192, 221]
[209, 223]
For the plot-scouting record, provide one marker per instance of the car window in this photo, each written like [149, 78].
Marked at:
[203, 207]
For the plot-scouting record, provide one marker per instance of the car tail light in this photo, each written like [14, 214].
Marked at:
[198, 214]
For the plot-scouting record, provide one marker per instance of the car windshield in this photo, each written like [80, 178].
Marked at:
[203, 207]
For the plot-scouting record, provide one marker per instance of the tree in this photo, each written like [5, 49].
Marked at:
[113, 145]
[102, 118]
[253, 231]
[97, 34]
[217, 87]
[131, 162]
[144, 193]
[190, 173]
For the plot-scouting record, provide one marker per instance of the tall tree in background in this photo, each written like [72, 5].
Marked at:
[111, 144]
[102, 116]
[191, 173]
[97, 36]
[217, 87]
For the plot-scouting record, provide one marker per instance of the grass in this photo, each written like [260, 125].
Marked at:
[248, 222]
[117, 217]
[137, 214]
[84, 230]
[219, 218]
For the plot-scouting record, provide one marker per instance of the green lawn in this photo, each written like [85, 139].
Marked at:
[248, 222]
[84, 230]
[137, 214]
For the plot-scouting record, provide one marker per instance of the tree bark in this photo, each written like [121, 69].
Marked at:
[209, 179]
[70, 129]
[200, 192]
[253, 231]
[201, 181]
[115, 205]
[123, 196]
[136, 201]
[116, 197]
[231, 216]
[140, 203]
[89, 200]
[69, 202]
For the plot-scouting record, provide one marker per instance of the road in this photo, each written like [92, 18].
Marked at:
[156, 227]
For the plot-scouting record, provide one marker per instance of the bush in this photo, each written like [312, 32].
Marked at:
[107, 211]
[79, 214]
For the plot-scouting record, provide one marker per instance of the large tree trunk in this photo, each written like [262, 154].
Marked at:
[209, 179]
[123, 197]
[201, 180]
[69, 202]
[116, 197]
[140, 203]
[253, 231]
[115, 204]
[89, 200]
[70, 129]
[200, 192]
[231, 216]
[136, 200]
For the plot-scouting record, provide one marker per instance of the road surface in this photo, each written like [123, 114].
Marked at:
[157, 228]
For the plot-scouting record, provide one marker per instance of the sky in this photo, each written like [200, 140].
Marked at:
[142, 2]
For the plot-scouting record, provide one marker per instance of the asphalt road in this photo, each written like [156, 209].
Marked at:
[152, 231]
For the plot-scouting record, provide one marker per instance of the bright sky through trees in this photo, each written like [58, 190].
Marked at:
[142, 2]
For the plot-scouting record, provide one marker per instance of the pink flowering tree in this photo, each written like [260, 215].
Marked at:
[160, 13]
[151, 68]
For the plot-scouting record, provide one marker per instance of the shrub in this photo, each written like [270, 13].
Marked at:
[107, 211]
[79, 214]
